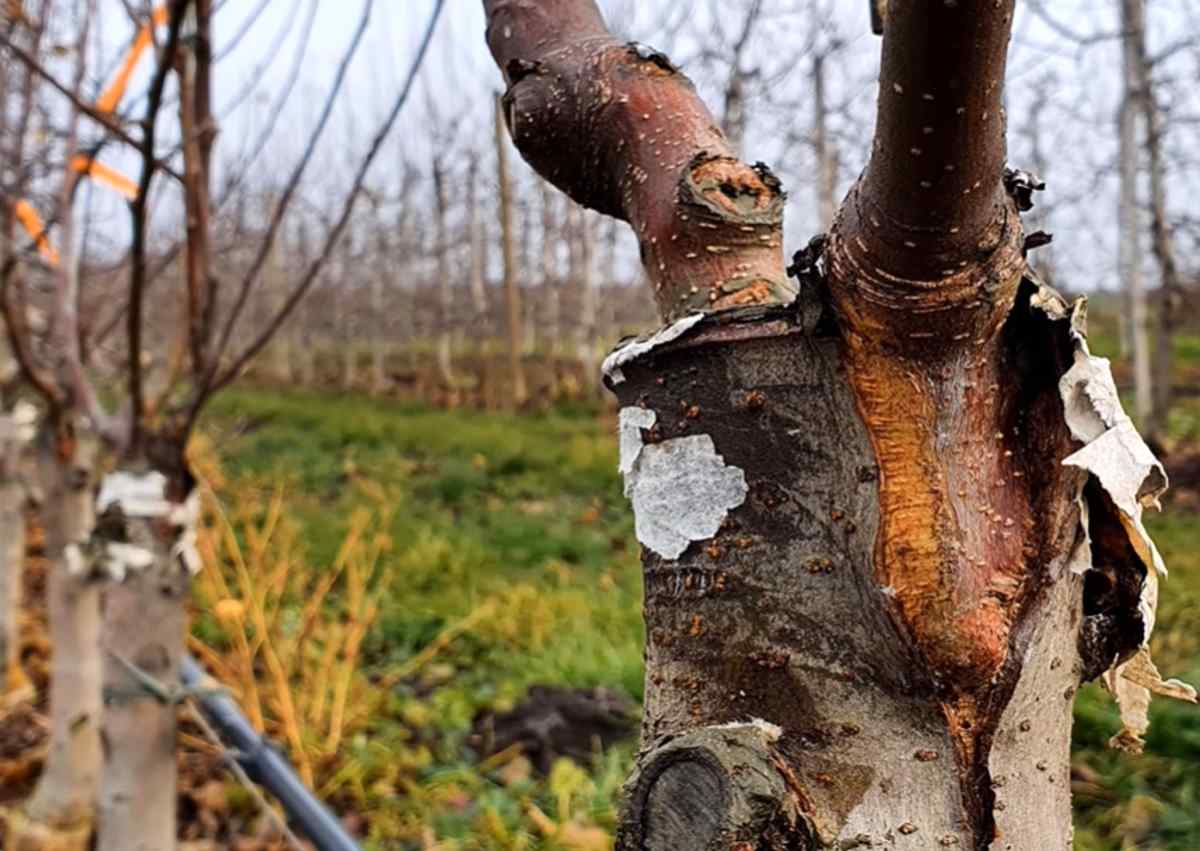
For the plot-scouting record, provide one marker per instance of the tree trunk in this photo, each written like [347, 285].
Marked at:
[275, 291]
[512, 292]
[586, 282]
[147, 525]
[1129, 261]
[14, 684]
[59, 815]
[1171, 288]
[380, 340]
[825, 150]
[347, 329]
[445, 295]
[550, 282]
[864, 552]
[479, 300]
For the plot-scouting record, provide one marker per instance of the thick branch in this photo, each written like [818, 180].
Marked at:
[929, 238]
[619, 129]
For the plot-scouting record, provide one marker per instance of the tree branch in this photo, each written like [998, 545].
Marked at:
[620, 129]
[138, 218]
[106, 120]
[216, 381]
[928, 243]
[264, 250]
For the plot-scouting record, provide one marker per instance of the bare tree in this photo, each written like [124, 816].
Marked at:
[867, 508]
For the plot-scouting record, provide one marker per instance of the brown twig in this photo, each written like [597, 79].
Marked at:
[218, 381]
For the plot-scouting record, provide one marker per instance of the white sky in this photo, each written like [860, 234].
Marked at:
[451, 108]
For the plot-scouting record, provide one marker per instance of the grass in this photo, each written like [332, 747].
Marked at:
[511, 560]
[512, 565]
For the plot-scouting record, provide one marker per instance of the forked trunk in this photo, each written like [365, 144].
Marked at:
[60, 813]
[888, 526]
[146, 529]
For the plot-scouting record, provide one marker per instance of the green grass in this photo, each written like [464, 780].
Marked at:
[527, 511]
[523, 512]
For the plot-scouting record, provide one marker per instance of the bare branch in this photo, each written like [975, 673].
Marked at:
[289, 190]
[138, 218]
[299, 291]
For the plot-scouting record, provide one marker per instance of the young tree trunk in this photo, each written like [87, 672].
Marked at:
[865, 612]
[59, 815]
[275, 290]
[824, 148]
[512, 292]
[1129, 261]
[380, 342]
[586, 281]
[13, 681]
[478, 243]
[446, 318]
[347, 321]
[1171, 288]
[147, 525]
[550, 282]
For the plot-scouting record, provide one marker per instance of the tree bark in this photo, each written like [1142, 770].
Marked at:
[60, 812]
[824, 148]
[380, 341]
[1129, 261]
[446, 319]
[1171, 299]
[479, 300]
[145, 624]
[588, 298]
[863, 546]
[13, 681]
[550, 278]
[512, 292]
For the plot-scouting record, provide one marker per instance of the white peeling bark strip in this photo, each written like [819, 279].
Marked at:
[143, 495]
[681, 489]
[631, 350]
[1116, 456]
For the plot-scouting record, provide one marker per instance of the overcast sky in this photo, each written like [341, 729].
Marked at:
[1077, 87]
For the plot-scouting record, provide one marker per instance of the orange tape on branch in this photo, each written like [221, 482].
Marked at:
[105, 175]
[107, 102]
[32, 222]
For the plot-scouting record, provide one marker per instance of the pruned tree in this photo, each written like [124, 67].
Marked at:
[890, 515]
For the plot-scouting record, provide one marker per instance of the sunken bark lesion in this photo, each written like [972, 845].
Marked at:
[621, 130]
